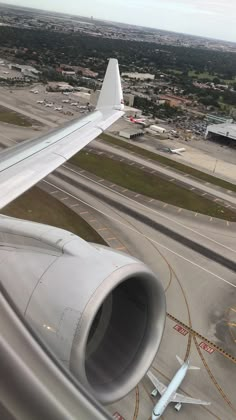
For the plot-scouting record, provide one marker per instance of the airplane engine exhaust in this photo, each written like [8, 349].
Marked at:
[102, 312]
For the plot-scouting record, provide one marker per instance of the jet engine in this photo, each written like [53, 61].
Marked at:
[102, 312]
[178, 406]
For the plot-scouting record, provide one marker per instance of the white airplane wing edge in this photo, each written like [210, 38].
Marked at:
[25, 164]
[180, 398]
[161, 388]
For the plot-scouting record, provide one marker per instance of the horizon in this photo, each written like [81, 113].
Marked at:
[78, 12]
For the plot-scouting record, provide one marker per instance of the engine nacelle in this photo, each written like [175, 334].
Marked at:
[102, 312]
[178, 406]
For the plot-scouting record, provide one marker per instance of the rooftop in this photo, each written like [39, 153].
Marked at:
[226, 130]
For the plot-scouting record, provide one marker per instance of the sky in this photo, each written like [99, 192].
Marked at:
[208, 18]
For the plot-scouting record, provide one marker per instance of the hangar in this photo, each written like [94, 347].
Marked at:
[224, 133]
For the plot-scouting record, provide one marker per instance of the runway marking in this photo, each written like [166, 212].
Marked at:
[145, 236]
[74, 205]
[150, 201]
[64, 198]
[111, 239]
[198, 335]
[196, 214]
[227, 223]
[207, 348]
[54, 192]
[102, 229]
[179, 210]
[101, 180]
[211, 219]
[180, 329]
[84, 212]
[191, 189]
[124, 190]
[92, 221]
[121, 248]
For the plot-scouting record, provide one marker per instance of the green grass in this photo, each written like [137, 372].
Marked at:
[38, 206]
[200, 76]
[11, 117]
[152, 186]
[171, 163]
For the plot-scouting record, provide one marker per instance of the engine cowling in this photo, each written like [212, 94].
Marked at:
[102, 312]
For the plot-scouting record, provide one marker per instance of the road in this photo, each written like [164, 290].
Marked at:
[199, 292]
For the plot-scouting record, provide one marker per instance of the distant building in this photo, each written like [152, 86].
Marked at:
[174, 100]
[28, 71]
[222, 132]
[131, 134]
[68, 73]
[129, 99]
[215, 119]
[139, 76]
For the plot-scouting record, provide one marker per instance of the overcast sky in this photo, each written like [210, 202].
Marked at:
[210, 18]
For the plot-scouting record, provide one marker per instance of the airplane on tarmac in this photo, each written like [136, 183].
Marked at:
[169, 394]
[137, 120]
[63, 334]
[175, 151]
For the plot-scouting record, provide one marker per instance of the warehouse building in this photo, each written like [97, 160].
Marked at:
[224, 133]
[131, 134]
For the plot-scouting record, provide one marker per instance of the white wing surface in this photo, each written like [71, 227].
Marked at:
[27, 163]
[180, 398]
[161, 388]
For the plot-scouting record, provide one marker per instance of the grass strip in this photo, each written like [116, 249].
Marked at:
[12, 117]
[171, 163]
[38, 206]
[152, 186]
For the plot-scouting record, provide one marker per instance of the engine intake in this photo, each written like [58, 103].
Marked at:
[102, 312]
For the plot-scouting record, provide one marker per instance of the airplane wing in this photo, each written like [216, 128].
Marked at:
[25, 164]
[180, 398]
[161, 388]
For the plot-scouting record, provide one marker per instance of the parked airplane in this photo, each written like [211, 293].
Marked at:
[175, 151]
[40, 102]
[58, 109]
[70, 291]
[169, 394]
[66, 101]
[137, 120]
[49, 105]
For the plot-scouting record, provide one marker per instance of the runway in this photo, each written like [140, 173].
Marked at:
[193, 183]
[199, 293]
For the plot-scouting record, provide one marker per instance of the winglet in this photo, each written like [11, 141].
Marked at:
[111, 96]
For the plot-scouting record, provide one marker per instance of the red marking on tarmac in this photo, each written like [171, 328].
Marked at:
[207, 348]
[117, 416]
[180, 329]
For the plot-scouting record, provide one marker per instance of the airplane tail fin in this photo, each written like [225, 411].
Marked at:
[181, 362]
[111, 96]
